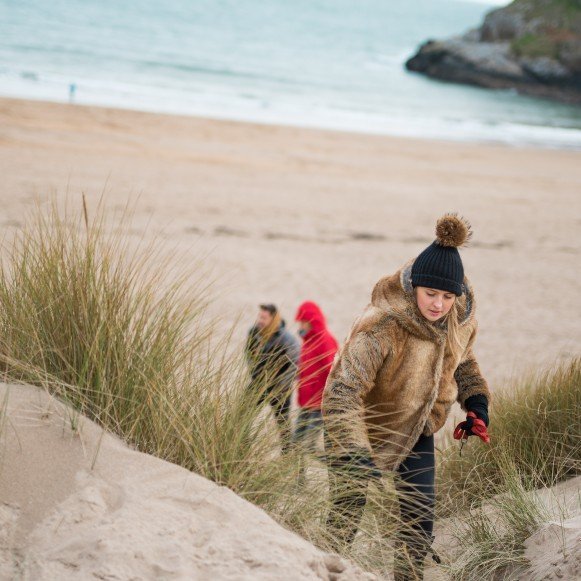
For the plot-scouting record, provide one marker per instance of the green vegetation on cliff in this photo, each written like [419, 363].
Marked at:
[535, 46]
[559, 13]
[546, 28]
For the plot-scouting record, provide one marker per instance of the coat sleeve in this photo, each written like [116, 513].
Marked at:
[352, 377]
[251, 353]
[286, 360]
[468, 376]
[293, 351]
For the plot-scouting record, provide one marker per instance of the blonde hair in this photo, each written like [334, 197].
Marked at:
[272, 327]
[453, 341]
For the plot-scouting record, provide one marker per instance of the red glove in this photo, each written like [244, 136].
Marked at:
[472, 426]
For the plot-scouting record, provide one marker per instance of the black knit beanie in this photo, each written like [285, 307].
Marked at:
[439, 266]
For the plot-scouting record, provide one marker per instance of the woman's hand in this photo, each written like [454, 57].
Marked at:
[472, 426]
[357, 464]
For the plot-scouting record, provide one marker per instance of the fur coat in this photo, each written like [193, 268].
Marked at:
[396, 377]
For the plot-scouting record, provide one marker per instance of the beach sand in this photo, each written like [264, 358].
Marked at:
[278, 214]
[77, 503]
[286, 214]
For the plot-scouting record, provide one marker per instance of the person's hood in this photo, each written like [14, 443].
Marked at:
[395, 294]
[311, 312]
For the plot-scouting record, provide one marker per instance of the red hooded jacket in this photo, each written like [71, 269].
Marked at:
[317, 354]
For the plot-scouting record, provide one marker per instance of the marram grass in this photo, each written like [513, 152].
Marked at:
[109, 327]
[98, 322]
[535, 431]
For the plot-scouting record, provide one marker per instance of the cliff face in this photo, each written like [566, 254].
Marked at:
[533, 46]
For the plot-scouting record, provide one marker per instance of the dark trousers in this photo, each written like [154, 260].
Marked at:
[306, 435]
[281, 405]
[308, 428]
[414, 482]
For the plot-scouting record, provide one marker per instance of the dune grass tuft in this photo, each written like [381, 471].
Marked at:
[108, 326]
[535, 433]
[488, 491]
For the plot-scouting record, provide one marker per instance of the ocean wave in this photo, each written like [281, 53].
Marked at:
[329, 64]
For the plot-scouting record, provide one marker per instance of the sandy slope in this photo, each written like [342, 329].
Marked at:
[79, 504]
[552, 552]
[555, 551]
[290, 214]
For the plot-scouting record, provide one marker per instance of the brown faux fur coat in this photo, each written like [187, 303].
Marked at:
[396, 378]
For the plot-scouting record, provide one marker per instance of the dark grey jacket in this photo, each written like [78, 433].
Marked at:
[275, 362]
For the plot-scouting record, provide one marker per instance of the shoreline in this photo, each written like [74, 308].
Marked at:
[283, 214]
[395, 132]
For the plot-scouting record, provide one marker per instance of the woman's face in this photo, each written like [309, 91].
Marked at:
[434, 304]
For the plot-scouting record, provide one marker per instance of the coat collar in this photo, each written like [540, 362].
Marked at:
[394, 294]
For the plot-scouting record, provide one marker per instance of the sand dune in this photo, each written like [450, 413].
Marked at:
[554, 551]
[76, 503]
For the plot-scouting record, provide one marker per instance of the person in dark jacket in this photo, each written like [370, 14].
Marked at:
[317, 353]
[272, 353]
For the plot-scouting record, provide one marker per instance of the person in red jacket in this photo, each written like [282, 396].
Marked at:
[316, 358]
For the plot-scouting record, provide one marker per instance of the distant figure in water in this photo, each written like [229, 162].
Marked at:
[317, 354]
[272, 353]
[72, 91]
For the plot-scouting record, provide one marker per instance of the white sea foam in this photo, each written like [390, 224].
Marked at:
[333, 64]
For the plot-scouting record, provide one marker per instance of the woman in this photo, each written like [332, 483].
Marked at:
[405, 362]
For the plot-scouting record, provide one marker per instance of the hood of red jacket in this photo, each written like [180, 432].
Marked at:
[311, 312]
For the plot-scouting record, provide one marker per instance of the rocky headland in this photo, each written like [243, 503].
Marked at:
[531, 46]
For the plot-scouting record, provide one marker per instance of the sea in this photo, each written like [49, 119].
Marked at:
[334, 64]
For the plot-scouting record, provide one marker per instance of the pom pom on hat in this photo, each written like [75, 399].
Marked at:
[453, 231]
[439, 266]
